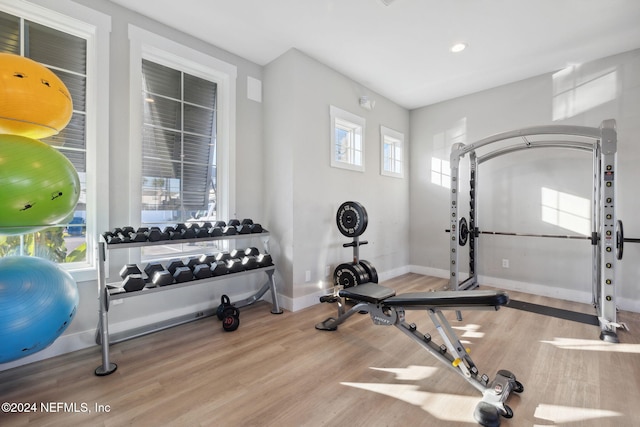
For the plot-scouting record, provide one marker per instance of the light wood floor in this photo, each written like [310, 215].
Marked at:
[278, 370]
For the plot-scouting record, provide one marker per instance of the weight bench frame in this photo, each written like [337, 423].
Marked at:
[387, 309]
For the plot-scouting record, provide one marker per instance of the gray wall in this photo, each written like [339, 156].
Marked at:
[510, 187]
[304, 191]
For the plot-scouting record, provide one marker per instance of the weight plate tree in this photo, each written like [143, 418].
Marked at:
[606, 233]
[352, 220]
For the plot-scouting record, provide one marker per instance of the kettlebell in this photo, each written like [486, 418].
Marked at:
[231, 319]
[224, 303]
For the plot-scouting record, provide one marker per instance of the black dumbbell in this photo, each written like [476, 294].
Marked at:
[188, 233]
[202, 271]
[256, 228]
[215, 232]
[223, 256]
[128, 269]
[207, 259]
[201, 232]
[111, 238]
[193, 261]
[230, 230]
[220, 224]
[155, 234]
[133, 282]
[236, 253]
[162, 278]
[265, 260]
[173, 265]
[249, 262]
[182, 274]
[152, 267]
[244, 229]
[234, 222]
[252, 251]
[219, 268]
[234, 265]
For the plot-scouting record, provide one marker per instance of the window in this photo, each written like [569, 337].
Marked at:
[347, 140]
[178, 145]
[67, 47]
[392, 143]
[182, 139]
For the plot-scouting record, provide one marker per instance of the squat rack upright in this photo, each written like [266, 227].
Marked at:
[606, 232]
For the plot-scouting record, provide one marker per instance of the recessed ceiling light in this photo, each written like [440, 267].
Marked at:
[458, 47]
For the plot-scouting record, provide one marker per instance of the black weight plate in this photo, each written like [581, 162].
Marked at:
[351, 219]
[619, 240]
[349, 275]
[370, 269]
[463, 232]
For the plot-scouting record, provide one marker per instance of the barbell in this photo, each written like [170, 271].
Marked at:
[463, 235]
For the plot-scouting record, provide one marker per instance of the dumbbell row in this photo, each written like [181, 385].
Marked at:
[181, 231]
[205, 266]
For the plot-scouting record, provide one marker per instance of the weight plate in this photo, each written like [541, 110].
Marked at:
[351, 219]
[370, 269]
[349, 275]
[463, 231]
[619, 240]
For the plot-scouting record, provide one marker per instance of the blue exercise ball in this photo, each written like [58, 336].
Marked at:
[38, 301]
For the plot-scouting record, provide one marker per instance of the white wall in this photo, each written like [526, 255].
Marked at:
[510, 187]
[308, 191]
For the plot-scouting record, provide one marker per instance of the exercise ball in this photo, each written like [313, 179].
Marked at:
[39, 186]
[34, 102]
[38, 301]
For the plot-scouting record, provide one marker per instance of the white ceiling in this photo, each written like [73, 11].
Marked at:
[401, 51]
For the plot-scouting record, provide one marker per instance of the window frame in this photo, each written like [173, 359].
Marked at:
[153, 47]
[94, 27]
[398, 141]
[351, 123]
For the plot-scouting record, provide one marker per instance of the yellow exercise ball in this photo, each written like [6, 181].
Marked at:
[34, 102]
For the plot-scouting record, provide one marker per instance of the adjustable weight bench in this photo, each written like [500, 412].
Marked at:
[387, 308]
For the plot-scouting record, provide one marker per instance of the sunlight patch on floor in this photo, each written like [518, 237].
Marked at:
[429, 402]
[557, 414]
[470, 331]
[410, 373]
[593, 345]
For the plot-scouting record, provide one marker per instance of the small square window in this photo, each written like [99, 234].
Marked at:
[347, 140]
[392, 152]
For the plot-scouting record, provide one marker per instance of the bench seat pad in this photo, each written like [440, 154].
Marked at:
[449, 299]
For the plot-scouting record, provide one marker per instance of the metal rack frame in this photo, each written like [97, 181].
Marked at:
[602, 143]
[104, 339]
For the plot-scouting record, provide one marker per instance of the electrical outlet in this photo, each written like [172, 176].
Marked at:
[327, 271]
[307, 276]
[505, 263]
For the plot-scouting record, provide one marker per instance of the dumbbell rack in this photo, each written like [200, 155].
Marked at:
[104, 339]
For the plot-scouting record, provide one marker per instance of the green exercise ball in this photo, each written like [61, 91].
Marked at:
[39, 186]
